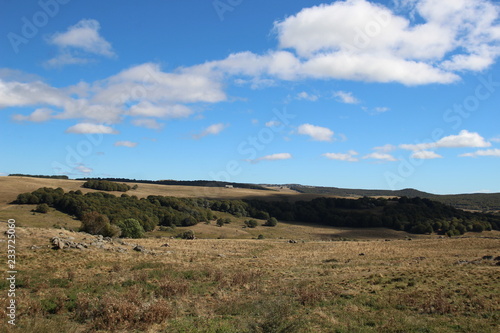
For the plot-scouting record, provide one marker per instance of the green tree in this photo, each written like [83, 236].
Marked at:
[42, 208]
[251, 223]
[271, 222]
[131, 228]
[220, 222]
[98, 224]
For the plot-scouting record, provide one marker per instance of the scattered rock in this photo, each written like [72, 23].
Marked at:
[497, 258]
[166, 245]
[221, 255]
[57, 243]
[361, 254]
[330, 260]
[139, 248]
[35, 247]
[487, 257]
[292, 241]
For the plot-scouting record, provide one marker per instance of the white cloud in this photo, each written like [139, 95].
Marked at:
[495, 139]
[425, 155]
[307, 96]
[147, 123]
[349, 157]
[345, 97]
[380, 156]
[37, 116]
[140, 91]
[485, 152]
[83, 169]
[463, 139]
[88, 128]
[78, 43]
[273, 157]
[317, 133]
[273, 123]
[128, 144]
[385, 148]
[148, 109]
[360, 40]
[211, 130]
[381, 109]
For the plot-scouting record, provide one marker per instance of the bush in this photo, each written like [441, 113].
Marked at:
[189, 234]
[98, 224]
[251, 223]
[131, 228]
[220, 222]
[105, 185]
[271, 222]
[42, 208]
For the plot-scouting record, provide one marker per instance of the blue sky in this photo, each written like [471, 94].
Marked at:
[357, 94]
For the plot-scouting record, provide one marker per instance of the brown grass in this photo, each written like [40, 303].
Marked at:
[242, 285]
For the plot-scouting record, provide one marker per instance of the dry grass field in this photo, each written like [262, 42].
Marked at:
[244, 285]
[227, 280]
[10, 187]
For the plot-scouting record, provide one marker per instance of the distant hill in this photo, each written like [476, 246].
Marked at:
[345, 192]
[38, 176]
[205, 183]
[474, 201]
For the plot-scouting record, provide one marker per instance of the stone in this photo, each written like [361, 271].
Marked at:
[139, 248]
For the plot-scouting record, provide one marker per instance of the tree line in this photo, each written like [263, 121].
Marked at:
[39, 176]
[206, 183]
[104, 185]
[415, 215]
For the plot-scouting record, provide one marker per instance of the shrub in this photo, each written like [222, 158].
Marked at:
[98, 224]
[42, 208]
[189, 234]
[131, 228]
[220, 222]
[251, 223]
[477, 227]
[271, 222]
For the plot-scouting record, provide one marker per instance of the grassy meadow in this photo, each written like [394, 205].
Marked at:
[227, 280]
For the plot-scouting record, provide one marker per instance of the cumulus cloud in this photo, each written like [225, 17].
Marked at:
[425, 155]
[349, 156]
[360, 40]
[148, 109]
[88, 128]
[142, 91]
[78, 42]
[128, 144]
[211, 130]
[317, 133]
[345, 97]
[486, 152]
[307, 96]
[37, 116]
[273, 123]
[82, 169]
[385, 148]
[380, 156]
[463, 139]
[273, 157]
[147, 123]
